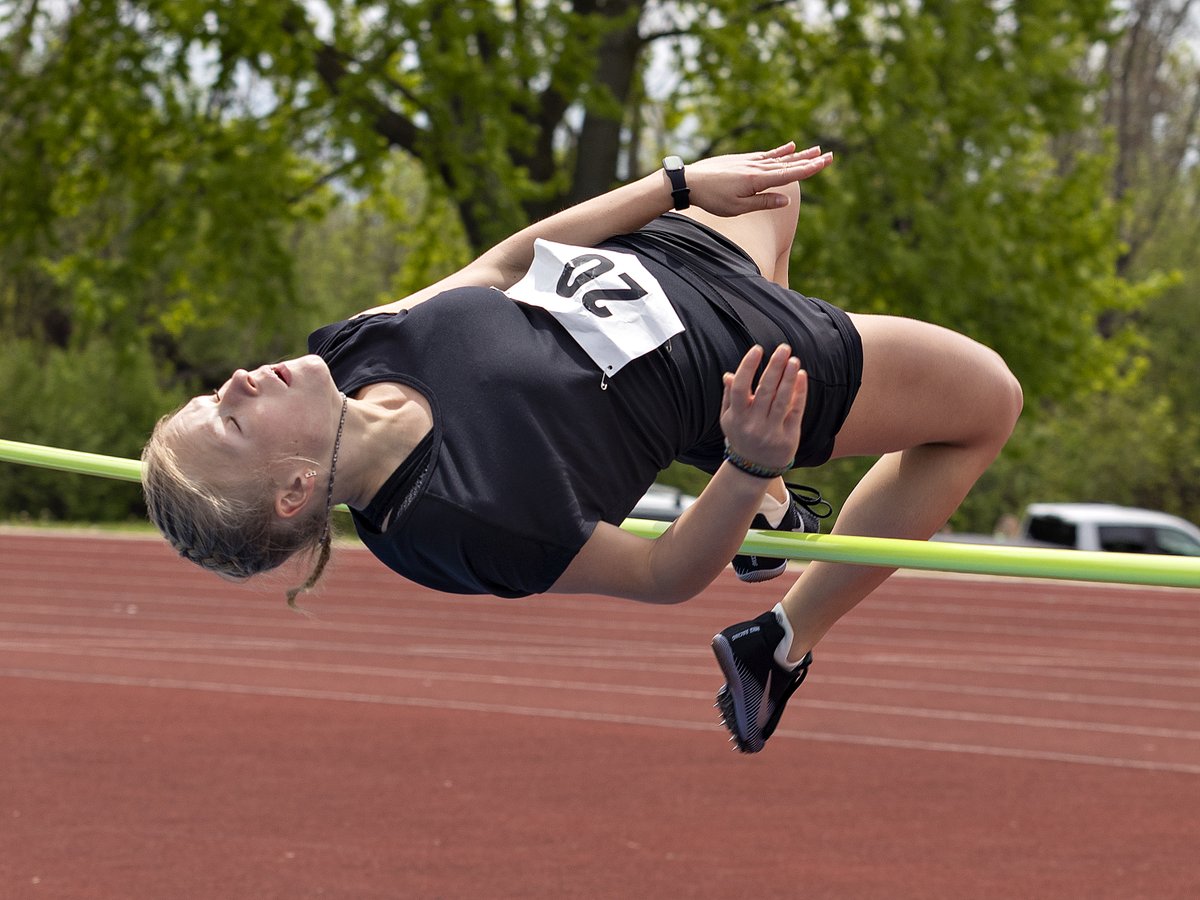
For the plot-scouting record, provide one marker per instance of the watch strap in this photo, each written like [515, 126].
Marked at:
[680, 193]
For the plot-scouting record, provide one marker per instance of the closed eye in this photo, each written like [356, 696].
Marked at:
[217, 399]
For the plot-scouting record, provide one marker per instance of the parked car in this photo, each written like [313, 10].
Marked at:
[1105, 526]
[663, 503]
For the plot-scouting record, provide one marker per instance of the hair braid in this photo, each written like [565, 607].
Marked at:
[327, 533]
[315, 575]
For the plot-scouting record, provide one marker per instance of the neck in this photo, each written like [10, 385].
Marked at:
[384, 424]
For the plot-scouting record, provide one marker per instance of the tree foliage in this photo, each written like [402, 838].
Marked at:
[948, 202]
[93, 398]
[209, 180]
[133, 203]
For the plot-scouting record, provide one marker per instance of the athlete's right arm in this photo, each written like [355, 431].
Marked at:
[763, 425]
[723, 185]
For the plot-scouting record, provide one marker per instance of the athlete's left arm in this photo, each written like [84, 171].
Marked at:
[723, 185]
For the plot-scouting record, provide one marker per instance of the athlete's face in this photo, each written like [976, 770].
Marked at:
[275, 412]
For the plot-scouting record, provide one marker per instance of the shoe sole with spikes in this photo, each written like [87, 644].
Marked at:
[756, 688]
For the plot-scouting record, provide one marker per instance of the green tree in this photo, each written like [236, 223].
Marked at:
[1137, 443]
[187, 143]
[973, 187]
[92, 398]
[948, 201]
[383, 245]
[133, 203]
[165, 162]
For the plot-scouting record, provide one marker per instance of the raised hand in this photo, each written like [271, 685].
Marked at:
[762, 424]
[741, 182]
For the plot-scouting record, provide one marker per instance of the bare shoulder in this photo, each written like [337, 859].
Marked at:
[477, 274]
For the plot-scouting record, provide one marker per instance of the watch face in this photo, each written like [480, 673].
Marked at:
[672, 163]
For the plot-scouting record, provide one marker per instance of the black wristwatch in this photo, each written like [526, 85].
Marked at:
[673, 166]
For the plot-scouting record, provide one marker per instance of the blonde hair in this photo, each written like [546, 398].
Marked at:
[231, 528]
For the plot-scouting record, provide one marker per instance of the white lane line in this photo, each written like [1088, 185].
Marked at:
[985, 750]
[1059, 662]
[872, 616]
[923, 712]
[650, 690]
[900, 651]
[1100, 670]
[547, 642]
[601, 654]
[1018, 631]
[109, 647]
[1014, 693]
[991, 611]
[575, 715]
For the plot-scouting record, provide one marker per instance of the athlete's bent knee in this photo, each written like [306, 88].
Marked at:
[1009, 400]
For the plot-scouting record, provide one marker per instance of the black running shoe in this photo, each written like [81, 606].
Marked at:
[804, 514]
[756, 688]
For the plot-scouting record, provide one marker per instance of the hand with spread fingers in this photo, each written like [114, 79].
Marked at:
[741, 182]
[762, 422]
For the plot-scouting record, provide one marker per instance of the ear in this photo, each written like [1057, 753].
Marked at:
[293, 497]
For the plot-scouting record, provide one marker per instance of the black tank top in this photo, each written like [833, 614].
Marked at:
[531, 446]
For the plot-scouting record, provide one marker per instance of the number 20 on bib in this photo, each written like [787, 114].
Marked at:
[608, 301]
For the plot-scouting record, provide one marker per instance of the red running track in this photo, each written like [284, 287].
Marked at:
[166, 735]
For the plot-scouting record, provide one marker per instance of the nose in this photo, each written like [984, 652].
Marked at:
[244, 381]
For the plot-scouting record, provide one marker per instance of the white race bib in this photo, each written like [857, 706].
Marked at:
[609, 302]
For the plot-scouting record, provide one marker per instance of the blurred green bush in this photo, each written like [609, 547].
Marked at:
[96, 398]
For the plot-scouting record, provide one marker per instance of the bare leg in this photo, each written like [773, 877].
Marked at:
[939, 407]
[767, 237]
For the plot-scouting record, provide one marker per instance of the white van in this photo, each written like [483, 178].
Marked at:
[662, 503]
[1104, 526]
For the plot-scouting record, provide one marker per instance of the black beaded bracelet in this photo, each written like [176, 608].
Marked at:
[740, 462]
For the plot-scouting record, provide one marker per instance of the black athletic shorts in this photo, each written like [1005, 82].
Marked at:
[763, 312]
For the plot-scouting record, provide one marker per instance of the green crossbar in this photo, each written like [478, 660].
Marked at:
[942, 556]
[70, 461]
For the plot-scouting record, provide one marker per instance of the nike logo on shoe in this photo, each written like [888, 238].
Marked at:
[764, 712]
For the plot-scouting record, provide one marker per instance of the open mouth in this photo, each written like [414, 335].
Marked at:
[281, 372]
